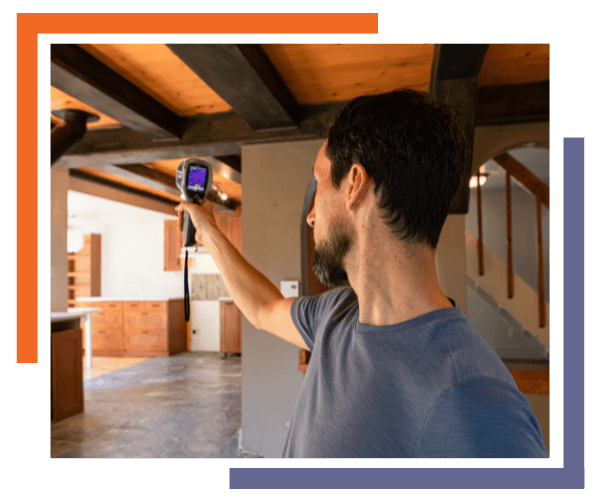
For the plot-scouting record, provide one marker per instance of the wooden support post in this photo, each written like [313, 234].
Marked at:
[511, 286]
[541, 301]
[479, 224]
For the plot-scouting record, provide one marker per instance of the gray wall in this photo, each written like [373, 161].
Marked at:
[275, 179]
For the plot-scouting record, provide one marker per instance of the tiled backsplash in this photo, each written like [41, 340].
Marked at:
[208, 287]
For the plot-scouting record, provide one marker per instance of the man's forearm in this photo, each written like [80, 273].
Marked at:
[249, 289]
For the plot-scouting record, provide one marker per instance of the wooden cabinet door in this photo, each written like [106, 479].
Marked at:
[145, 326]
[107, 327]
[231, 328]
[173, 244]
[66, 374]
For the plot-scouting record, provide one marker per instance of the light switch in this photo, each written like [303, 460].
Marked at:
[290, 288]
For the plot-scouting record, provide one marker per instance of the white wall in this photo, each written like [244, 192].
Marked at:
[133, 259]
[59, 263]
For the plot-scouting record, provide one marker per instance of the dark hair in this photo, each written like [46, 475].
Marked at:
[413, 148]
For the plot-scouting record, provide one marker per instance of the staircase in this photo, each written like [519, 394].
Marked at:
[520, 311]
[524, 308]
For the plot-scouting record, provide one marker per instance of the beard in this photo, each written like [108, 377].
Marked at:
[329, 257]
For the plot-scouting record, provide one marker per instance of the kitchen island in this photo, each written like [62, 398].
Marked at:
[66, 366]
[119, 327]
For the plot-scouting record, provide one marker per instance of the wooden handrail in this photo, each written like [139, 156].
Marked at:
[525, 177]
[542, 196]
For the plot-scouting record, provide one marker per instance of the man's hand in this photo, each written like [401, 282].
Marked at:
[203, 218]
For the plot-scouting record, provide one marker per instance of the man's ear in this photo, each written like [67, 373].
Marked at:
[357, 187]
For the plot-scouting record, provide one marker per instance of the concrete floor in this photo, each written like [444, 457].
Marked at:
[188, 405]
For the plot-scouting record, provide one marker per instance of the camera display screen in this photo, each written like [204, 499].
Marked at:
[197, 179]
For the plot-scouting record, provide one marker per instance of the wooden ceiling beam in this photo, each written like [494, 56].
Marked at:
[220, 135]
[147, 177]
[163, 182]
[508, 104]
[217, 135]
[454, 72]
[85, 78]
[246, 79]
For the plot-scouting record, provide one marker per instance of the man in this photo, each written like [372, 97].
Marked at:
[396, 369]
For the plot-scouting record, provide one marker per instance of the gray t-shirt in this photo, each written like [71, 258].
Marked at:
[427, 387]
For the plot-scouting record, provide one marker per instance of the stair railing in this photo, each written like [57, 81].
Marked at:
[541, 192]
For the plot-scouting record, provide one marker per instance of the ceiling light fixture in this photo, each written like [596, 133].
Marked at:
[482, 179]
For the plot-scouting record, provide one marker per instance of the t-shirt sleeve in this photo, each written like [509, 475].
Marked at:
[309, 312]
[484, 418]
[305, 311]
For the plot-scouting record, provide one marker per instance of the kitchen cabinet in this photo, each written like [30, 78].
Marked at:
[173, 244]
[228, 222]
[138, 328]
[66, 370]
[231, 328]
[84, 270]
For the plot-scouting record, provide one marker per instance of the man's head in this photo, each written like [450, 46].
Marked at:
[412, 148]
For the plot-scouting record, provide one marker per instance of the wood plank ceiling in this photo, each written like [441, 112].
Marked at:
[159, 104]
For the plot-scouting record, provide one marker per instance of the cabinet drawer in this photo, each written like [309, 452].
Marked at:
[146, 339]
[133, 306]
[107, 338]
[110, 318]
[111, 315]
[158, 306]
[106, 306]
[145, 319]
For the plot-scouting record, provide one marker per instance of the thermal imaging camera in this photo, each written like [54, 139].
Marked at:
[194, 179]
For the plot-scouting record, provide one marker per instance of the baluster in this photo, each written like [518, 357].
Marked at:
[541, 301]
[479, 224]
[511, 287]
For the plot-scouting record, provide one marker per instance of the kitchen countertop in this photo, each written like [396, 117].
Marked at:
[78, 312]
[126, 299]
[133, 299]
[72, 313]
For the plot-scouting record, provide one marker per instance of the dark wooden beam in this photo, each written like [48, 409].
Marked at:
[220, 135]
[234, 161]
[216, 135]
[70, 130]
[456, 61]
[245, 78]
[161, 178]
[454, 73]
[142, 175]
[507, 104]
[85, 78]
[79, 174]
[63, 136]
[165, 183]
[146, 176]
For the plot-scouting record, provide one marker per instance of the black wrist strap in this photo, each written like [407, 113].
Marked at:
[186, 289]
